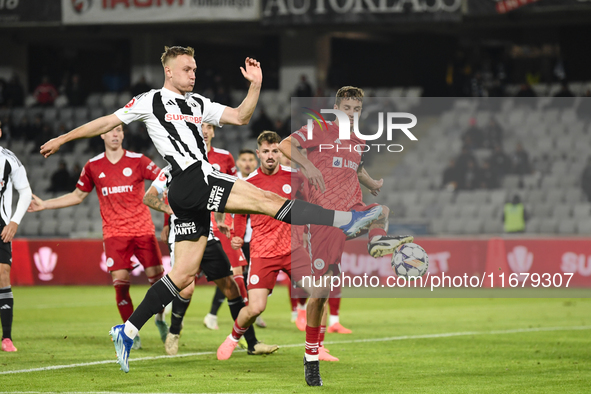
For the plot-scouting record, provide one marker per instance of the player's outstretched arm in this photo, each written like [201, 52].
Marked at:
[289, 147]
[241, 115]
[366, 180]
[151, 200]
[93, 128]
[67, 200]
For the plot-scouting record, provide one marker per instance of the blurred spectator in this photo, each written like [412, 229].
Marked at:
[15, 92]
[514, 216]
[45, 93]
[500, 163]
[521, 164]
[469, 178]
[451, 176]
[262, 123]
[586, 179]
[488, 178]
[75, 92]
[303, 88]
[493, 134]
[474, 136]
[141, 86]
[60, 179]
[525, 90]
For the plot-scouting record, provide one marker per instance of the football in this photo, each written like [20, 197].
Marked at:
[410, 260]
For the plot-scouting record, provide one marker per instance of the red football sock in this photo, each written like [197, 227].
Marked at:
[238, 331]
[334, 304]
[124, 303]
[312, 342]
[240, 281]
[377, 231]
[294, 304]
[302, 301]
[321, 336]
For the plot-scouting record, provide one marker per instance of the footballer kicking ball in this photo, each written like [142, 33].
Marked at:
[410, 260]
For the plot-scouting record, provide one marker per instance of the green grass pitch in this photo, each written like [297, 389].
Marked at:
[397, 345]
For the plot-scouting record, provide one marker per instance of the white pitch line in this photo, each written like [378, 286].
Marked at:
[387, 339]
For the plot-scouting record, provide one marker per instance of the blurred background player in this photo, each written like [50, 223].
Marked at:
[13, 174]
[119, 176]
[272, 247]
[223, 161]
[215, 265]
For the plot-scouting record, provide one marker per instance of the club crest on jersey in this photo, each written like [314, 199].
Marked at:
[216, 166]
[215, 198]
[254, 279]
[319, 264]
[131, 103]
[286, 188]
[110, 262]
[337, 162]
[127, 171]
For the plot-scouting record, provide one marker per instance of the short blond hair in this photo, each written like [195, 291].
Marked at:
[349, 92]
[173, 52]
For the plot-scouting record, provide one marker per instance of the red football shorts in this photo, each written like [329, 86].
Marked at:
[328, 244]
[236, 257]
[263, 271]
[119, 251]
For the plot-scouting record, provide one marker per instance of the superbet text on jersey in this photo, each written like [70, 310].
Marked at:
[120, 189]
[338, 166]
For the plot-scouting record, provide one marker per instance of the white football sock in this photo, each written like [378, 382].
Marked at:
[341, 218]
[130, 330]
[333, 319]
[311, 357]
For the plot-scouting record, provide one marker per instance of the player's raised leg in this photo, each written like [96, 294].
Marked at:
[380, 243]
[246, 198]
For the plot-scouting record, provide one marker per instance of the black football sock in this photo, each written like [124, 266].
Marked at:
[218, 300]
[158, 296]
[179, 308]
[298, 212]
[235, 305]
[6, 308]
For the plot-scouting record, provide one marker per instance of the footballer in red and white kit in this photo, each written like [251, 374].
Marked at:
[271, 246]
[118, 176]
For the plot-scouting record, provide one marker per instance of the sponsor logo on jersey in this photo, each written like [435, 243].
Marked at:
[254, 279]
[170, 102]
[117, 189]
[286, 188]
[127, 171]
[185, 228]
[131, 103]
[162, 176]
[45, 261]
[102, 175]
[185, 118]
[337, 162]
[215, 198]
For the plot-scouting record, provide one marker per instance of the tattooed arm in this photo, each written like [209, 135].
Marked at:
[151, 199]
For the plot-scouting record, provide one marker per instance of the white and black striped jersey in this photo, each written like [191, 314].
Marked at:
[174, 125]
[13, 173]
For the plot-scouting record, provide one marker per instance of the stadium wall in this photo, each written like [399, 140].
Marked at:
[82, 262]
